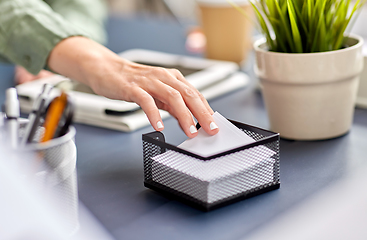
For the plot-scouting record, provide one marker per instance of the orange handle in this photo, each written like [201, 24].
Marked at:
[53, 116]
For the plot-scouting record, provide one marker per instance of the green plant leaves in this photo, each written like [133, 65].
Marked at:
[264, 27]
[305, 26]
[295, 32]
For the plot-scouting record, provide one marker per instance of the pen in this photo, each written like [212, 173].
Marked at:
[35, 114]
[12, 114]
[53, 116]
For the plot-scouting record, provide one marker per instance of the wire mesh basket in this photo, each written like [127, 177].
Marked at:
[53, 165]
[211, 182]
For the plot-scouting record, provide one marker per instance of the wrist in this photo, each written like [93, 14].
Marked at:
[82, 59]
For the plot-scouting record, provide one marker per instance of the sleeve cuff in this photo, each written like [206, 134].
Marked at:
[33, 33]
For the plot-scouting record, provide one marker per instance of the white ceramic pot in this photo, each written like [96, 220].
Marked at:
[310, 96]
[362, 90]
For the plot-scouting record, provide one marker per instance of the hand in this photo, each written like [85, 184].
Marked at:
[23, 76]
[150, 87]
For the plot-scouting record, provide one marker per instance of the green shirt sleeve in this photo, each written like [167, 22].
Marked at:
[89, 15]
[30, 29]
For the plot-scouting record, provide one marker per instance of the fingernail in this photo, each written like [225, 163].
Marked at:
[159, 125]
[213, 126]
[193, 129]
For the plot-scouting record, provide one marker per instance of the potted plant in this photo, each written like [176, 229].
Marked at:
[308, 66]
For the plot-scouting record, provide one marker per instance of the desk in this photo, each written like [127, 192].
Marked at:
[110, 165]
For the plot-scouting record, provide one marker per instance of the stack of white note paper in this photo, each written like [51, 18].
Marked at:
[213, 180]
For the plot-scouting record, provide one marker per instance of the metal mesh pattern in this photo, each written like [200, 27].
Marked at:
[275, 147]
[150, 150]
[67, 193]
[217, 180]
[256, 136]
[57, 173]
[60, 178]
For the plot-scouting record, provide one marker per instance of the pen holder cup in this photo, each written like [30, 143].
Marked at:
[210, 182]
[53, 165]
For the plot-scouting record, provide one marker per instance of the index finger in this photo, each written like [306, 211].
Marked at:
[180, 77]
[194, 100]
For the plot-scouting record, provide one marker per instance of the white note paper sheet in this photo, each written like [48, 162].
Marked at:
[228, 137]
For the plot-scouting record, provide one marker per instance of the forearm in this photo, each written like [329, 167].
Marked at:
[84, 60]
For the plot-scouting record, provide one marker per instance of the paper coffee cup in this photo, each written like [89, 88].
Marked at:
[228, 32]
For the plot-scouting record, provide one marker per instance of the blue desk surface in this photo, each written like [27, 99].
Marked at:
[110, 165]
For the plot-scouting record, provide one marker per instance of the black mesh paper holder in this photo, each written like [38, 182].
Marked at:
[207, 183]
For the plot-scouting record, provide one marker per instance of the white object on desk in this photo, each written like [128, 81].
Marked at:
[228, 137]
[213, 180]
[362, 89]
[12, 115]
[211, 77]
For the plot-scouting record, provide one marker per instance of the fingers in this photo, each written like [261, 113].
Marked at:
[172, 102]
[167, 108]
[193, 100]
[44, 73]
[23, 76]
[180, 77]
[147, 103]
[150, 107]
[144, 84]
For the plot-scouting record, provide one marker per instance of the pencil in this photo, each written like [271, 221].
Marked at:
[53, 116]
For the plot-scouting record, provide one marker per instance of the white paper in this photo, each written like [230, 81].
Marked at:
[228, 137]
[215, 179]
[214, 169]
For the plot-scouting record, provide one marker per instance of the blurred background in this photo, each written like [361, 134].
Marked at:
[215, 31]
[187, 14]
[185, 10]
